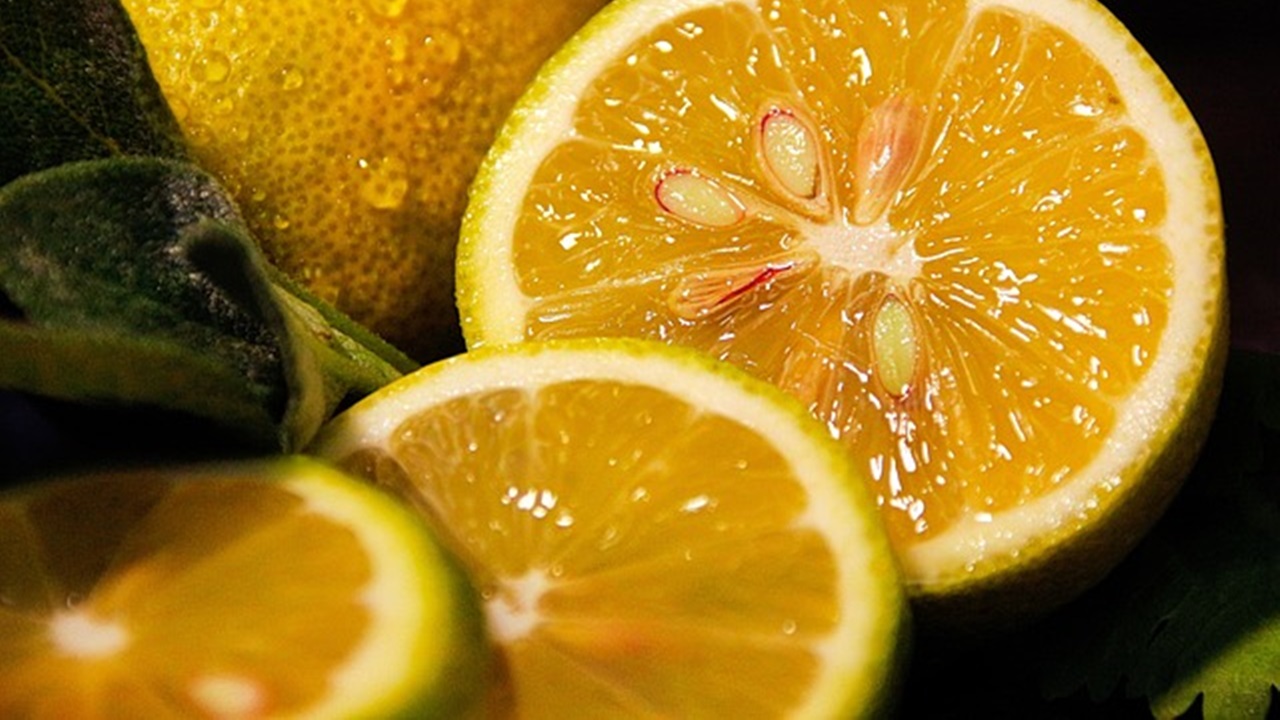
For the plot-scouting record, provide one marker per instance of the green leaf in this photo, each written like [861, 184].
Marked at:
[132, 280]
[75, 85]
[1194, 614]
[109, 365]
[352, 342]
[135, 281]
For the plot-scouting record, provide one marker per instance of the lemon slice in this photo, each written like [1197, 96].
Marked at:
[270, 589]
[981, 241]
[653, 534]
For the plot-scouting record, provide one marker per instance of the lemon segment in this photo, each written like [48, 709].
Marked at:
[652, 533]
[279, 588]
[980, 241]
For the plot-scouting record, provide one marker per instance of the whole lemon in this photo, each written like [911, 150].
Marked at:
[349, 132]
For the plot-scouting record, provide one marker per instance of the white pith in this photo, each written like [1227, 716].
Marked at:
[228, 696]
[401, 614]
[860, 249]
[854, 648]
[512, 611]
[79, 633]
[1191, 231]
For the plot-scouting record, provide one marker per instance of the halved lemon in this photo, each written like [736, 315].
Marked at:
[653, 534]
[251, 590]
[981, 241]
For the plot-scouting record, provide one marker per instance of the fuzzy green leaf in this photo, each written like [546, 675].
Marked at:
[134, 280]
[1194, 614]
[139, 272]
[108, 365]
[75, 85]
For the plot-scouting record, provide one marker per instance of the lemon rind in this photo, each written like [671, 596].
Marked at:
[419, 618]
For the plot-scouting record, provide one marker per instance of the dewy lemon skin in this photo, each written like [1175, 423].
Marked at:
[348, 132]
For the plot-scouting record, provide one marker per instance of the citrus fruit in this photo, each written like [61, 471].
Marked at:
[653, 534]
[981, 241]
[269, 589]
[348, 131]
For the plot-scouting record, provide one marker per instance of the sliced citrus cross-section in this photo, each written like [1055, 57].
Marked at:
[980, 240]
[654, 534]
[270, 589]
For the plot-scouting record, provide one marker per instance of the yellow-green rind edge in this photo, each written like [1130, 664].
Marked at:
[443, 672]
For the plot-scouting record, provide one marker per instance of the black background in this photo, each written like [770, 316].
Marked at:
[1221, 56]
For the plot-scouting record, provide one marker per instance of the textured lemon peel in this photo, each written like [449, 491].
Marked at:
[349, 134]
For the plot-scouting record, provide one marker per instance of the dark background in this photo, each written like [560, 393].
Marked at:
[1222, 57]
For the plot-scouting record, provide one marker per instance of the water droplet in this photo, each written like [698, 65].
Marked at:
[386, 184]
[397, 47]
[212, 67]
[280, 222]
[387, 8]
[398, 77]
[291, 78]
[179, 108]
[426, 66]
[207, 4]
[432, 122]
[443, 46]
[198, 134]
[224, 105]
